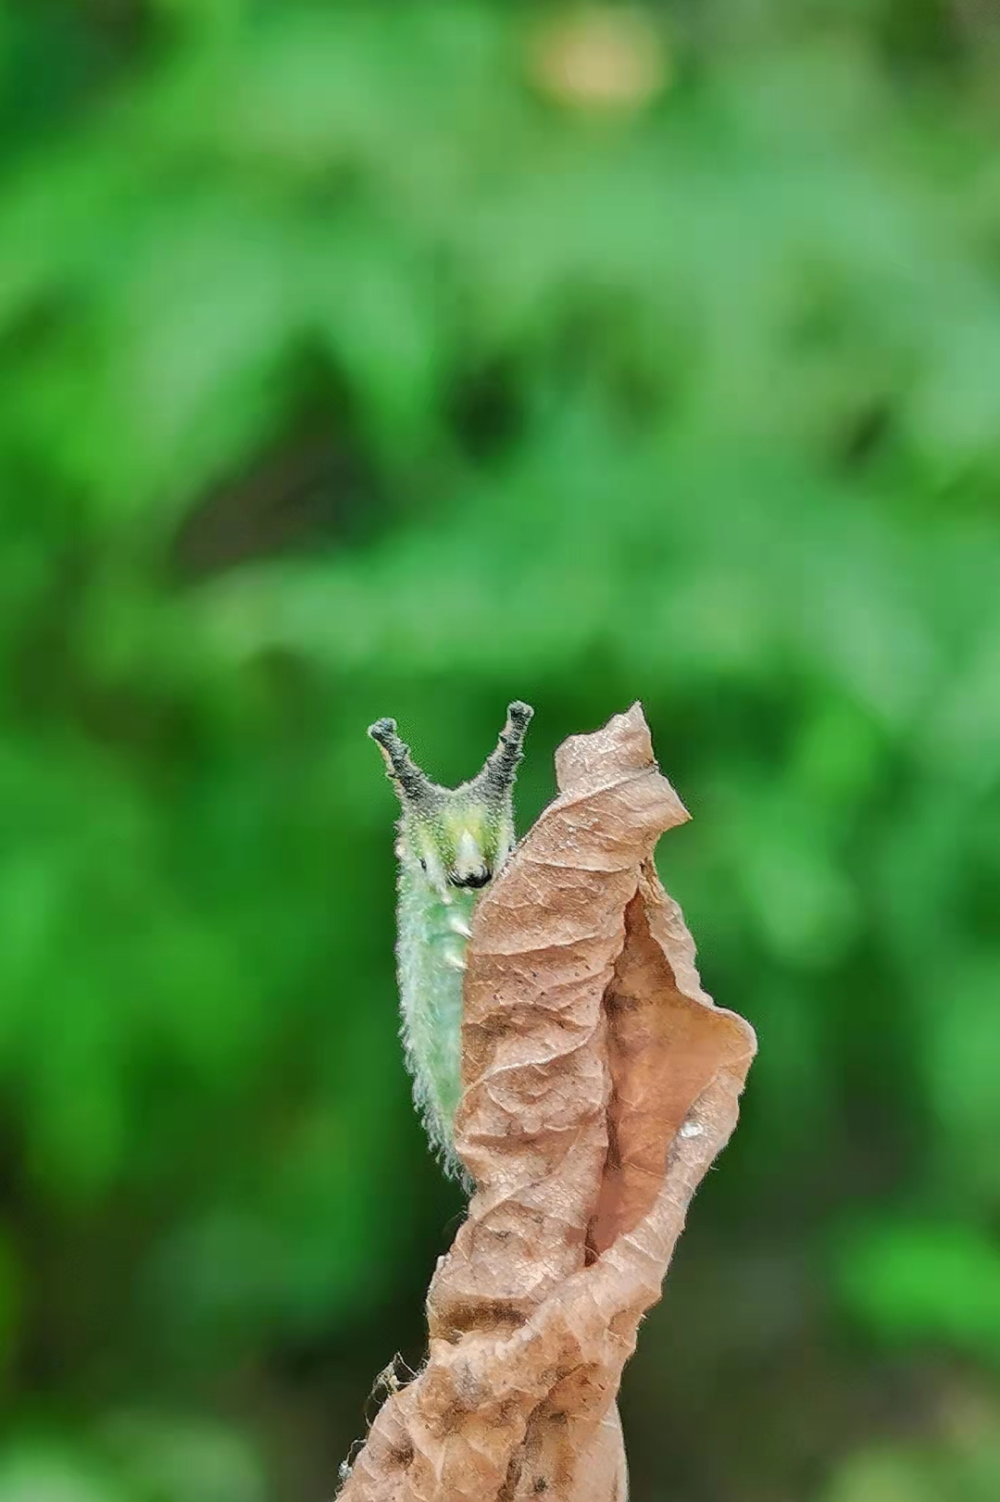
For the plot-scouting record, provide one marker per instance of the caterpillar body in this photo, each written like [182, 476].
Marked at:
[451, 844]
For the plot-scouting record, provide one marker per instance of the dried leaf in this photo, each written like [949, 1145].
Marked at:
[600, 1082]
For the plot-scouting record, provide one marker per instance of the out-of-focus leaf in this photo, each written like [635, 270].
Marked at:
[926, 1283]
[51, 1473]
[172, 1459]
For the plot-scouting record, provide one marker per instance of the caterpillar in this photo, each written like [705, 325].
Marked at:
[451, 844]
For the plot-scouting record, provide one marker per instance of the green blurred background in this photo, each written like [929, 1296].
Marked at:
[405, 359]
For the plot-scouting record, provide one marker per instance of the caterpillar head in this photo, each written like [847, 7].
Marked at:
[460, 837]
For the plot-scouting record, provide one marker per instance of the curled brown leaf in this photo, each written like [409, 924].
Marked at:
[600, 1083]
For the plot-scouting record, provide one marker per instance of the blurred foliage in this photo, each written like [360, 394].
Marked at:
[404, 359]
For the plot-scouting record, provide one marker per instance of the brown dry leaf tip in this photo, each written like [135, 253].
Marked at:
[601, 1081]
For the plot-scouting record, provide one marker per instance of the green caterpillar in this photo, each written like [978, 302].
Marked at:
[451, 844]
